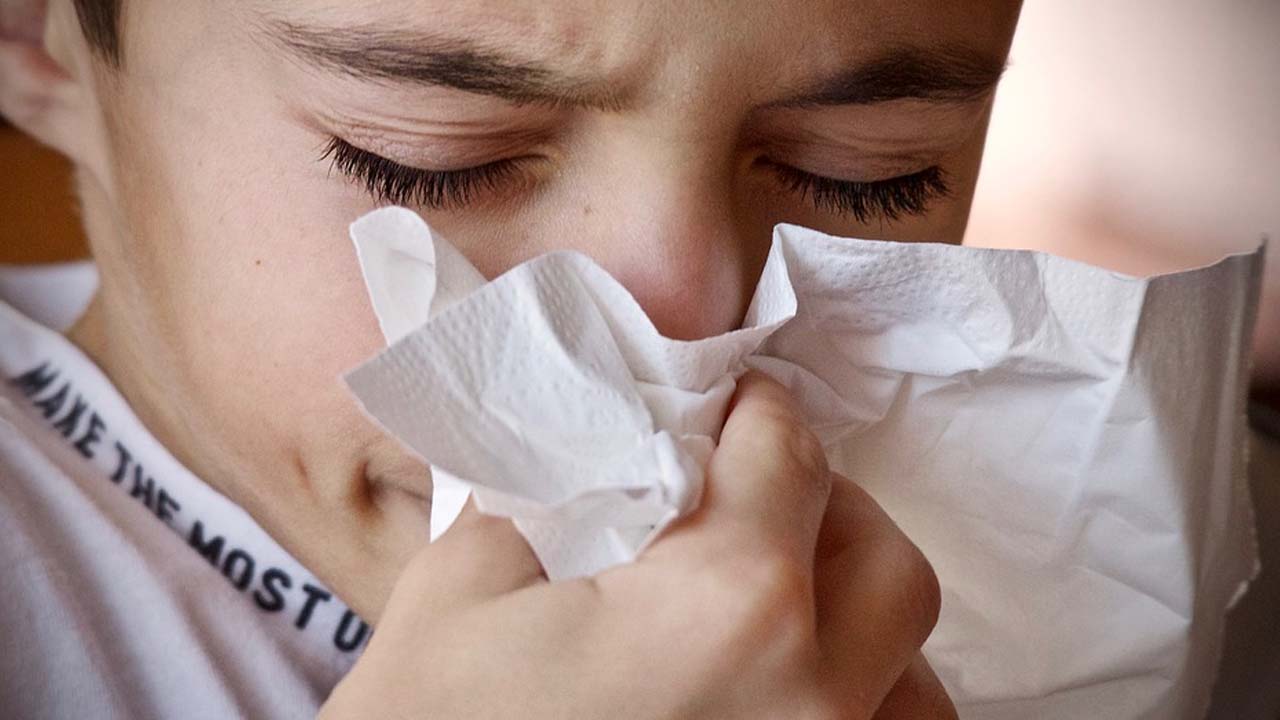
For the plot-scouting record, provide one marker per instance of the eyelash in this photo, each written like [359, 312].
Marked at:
[389, 181]
[888, 200]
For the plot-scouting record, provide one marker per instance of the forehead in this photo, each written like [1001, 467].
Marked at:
[629, 40]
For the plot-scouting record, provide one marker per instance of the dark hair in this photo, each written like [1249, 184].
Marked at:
[100, 22]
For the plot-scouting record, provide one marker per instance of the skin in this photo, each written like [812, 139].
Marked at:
[231, 301]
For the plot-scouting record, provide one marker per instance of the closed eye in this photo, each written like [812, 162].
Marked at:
[391, 182]
[889, 200]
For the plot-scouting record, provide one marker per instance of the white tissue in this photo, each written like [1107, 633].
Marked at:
[573, 416]
[1064, 443]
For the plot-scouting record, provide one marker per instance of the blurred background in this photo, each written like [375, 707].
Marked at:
[1142, 136]
[39, 221]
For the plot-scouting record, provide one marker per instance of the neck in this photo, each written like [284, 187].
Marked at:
[351, 537]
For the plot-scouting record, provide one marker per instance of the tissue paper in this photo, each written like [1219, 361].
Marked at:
[573, 416]
[1064, 443]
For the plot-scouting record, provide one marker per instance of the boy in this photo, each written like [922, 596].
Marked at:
[221, 149]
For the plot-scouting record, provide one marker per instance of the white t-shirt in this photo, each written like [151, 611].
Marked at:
[128, 587]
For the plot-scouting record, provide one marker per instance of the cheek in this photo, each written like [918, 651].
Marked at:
[239, 246]
[281, 301]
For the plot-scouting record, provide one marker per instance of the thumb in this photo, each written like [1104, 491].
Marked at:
[767, 482]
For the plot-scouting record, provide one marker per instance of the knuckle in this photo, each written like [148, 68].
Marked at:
[921, 593]
[807, 452]
[793, 445]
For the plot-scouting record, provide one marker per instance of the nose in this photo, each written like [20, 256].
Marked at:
[670, 228]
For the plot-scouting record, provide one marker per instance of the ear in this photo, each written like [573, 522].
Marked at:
[45, 74]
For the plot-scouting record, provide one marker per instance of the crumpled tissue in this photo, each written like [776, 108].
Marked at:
[1066, 444]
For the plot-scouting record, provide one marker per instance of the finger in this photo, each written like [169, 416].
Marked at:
[479, 558]
[877, 596]
[919, 695]
[767, 482]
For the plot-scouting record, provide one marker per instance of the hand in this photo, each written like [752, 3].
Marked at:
[782, 596]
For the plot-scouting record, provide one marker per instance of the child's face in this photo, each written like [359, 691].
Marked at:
[665, 139]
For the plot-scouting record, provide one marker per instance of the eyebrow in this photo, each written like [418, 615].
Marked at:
[439, 61]
[941, 75]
